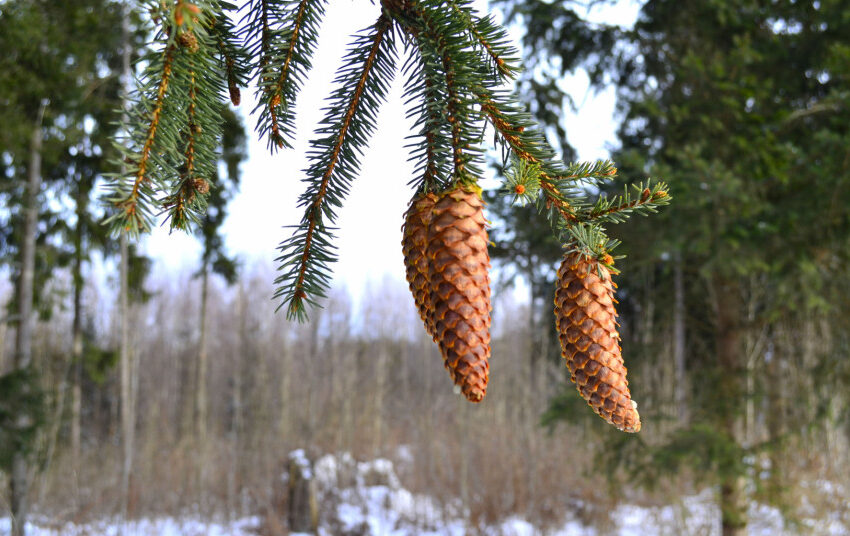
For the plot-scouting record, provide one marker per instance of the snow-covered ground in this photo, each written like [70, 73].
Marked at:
[368, 499]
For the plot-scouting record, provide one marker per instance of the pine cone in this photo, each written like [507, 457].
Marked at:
[587, 327]
[460, 288]
[414, 245]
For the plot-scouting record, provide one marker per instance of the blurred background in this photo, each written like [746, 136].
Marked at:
[192, 408]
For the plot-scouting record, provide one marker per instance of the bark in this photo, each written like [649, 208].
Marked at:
[733, 499]
[19, 481]
[4, 326]
[380, 387]
[236, 404]
[203, 363]
[201, 401]
[127, 398]
[77, 332]
[679, 341]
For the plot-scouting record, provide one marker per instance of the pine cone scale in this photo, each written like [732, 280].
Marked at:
[414, 247]
[587, 329]
[460, 288]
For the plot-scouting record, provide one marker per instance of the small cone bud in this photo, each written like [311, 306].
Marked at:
[460, 288]
[188, 41]
[414, 245]
[587, 328]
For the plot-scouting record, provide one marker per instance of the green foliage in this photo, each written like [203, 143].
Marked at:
[363, 82]
[80, 83]
[743, 109]
[282, 34]
[457, 66]
[98, 362]
[169, 156]
[20, 395]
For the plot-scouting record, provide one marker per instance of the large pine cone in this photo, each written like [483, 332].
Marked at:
[460, 288]
[587, 327]
[414, 245]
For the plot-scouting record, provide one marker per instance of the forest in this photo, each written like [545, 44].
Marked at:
[236, 396]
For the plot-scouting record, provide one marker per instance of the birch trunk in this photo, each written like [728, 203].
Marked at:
[201, 401]
[77, 334]
[19, 481]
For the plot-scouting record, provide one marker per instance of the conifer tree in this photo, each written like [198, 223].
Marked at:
[743, 108]
[456, 65]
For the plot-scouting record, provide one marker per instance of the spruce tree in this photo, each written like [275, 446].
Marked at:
[742, 107]
[456, 63]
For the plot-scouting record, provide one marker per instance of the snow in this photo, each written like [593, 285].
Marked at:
[299, 457]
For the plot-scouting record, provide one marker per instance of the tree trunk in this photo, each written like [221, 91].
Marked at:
[381, 383]
[733, 499]
[128, 424]
[236, 405]
[77, 332]
[681, 388]
[201, 389]
[19, 481]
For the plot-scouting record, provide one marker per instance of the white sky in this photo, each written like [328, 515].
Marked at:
[369, 236]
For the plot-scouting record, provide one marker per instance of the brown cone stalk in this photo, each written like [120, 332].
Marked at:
[587, 327]
[414, 245]
[460, 288]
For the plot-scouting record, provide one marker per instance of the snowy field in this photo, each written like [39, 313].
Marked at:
[367, 499]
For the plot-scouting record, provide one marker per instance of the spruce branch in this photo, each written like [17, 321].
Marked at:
[647, 198]
[491, 37]
[175, 125]
[517, 130]
[131, 217]
[234, 58]
[426, 88]
[363, 82]
[288, 35]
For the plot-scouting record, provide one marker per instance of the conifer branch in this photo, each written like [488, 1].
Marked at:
[363, 82]
[452, 106]
[172, 155]
[233, 56]
[513, 135]
[617, 209]
[129, 205]
[438, 31]
[288, 34]
[491, 37]
[421, 87]
[290, 49]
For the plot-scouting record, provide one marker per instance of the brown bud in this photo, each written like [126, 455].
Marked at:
[235, 94]
[188, 41]
[201, 186]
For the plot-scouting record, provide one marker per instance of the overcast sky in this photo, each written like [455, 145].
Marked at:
[369, 236]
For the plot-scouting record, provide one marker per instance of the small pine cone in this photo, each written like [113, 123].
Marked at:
[201, 186]
[235, 94]
[460, 288]
[587, 327]
[188, 41]
[414, 245]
